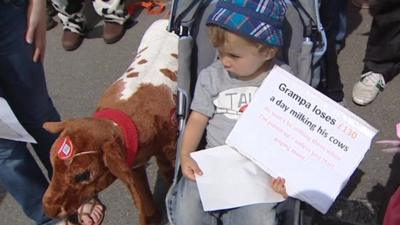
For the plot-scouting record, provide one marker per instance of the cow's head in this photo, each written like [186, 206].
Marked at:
[82, 163]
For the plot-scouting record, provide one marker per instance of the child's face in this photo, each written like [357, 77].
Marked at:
[243, 58]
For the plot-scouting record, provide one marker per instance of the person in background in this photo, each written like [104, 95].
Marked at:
[382, 55]
[71, 15]
[50, 13]
[23, 86]
[341, 23]
[334, 21]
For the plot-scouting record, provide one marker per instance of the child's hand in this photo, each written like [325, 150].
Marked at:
[278, 185]
[190, 168]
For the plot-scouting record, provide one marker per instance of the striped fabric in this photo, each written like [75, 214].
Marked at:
[259, 20]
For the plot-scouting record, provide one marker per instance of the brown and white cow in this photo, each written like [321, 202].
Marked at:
[134, 120]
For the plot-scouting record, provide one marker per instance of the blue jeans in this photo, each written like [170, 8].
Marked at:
[331, 15]
[23, 85]
[341, 23]
[189, 211]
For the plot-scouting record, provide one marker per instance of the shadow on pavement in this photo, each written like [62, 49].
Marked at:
[345, 211]
[381, 194]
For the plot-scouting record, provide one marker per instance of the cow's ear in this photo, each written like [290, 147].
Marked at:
[54, 127]
[116, 163]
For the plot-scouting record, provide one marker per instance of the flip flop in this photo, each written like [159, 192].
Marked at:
[86, 210]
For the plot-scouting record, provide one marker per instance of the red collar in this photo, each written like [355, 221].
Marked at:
[128, 127]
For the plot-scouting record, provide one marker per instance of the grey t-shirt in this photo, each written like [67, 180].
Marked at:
[222, 97]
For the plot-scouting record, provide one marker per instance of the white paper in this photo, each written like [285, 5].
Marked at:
[293, 131]
[10, 128]
[231, 180]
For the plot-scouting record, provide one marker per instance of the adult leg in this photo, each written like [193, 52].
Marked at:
[364, 4]
[382, 56]
[115, 15]
[333, 86]
[23, 179]
[24, 86]
[70, 13]
[257, 214]
[50, 12]
[188, 210]
[383, 47]
[341, 23]
[19, 173]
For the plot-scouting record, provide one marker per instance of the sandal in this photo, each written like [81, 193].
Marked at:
[65, 222]
[91, 212]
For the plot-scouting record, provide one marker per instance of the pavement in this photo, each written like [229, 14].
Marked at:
[77, 79]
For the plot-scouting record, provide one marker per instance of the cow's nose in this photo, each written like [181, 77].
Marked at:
[51, 211]
[50, 206]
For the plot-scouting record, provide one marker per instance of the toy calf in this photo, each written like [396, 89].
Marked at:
[134, 120]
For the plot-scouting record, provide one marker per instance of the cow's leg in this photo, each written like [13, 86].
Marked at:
[166, 162]
[135, 179]
[151, 213]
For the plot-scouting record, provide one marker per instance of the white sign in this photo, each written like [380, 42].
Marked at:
[293, 131]
[231, 180]
[10, 128]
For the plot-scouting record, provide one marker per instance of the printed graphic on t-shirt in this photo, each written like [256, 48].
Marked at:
[232, 102]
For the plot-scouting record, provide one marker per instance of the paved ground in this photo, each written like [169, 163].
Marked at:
[77, 79]
[364, 198]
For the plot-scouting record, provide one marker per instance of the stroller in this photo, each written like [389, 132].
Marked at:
[305, 44]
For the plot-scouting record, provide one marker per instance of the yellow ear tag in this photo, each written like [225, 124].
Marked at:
[66, 149]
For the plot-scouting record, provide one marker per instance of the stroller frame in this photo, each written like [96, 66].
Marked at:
[302, 51]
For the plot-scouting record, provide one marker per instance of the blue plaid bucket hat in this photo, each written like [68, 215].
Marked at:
[259, 20]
